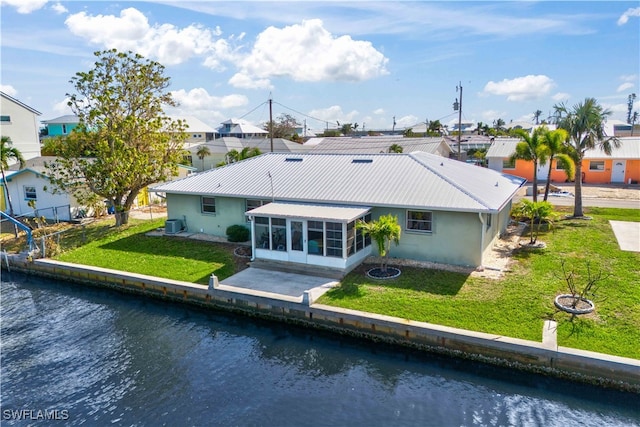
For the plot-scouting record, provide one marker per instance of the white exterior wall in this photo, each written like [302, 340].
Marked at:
[45, 198]
[23, 129]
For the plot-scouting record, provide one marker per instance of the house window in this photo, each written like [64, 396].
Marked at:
[254, 203]
[596, 165]
[334, 239]
[208, 205]
[361, 240]
[419, 221]
[30, 193]
[315, 235]
[560, 164]
[279, 230]
[508, 163]
[5, 119]
[262, 232]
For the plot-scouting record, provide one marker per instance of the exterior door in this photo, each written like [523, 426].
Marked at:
[543, 172]
[617, 172]
[298, 244]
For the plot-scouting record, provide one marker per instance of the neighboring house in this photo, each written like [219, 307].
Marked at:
[241, 129]
[198, 131]
[376, 144]
[61, 126]
[19, 122]
[302, 208]
[32, 184]
[622, 166]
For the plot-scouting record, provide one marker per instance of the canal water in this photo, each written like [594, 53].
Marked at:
[93, 357]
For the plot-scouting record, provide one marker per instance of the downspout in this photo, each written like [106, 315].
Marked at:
[482, 231]
[253, 241]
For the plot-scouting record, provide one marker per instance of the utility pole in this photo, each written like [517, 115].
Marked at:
[457, 106]
[271, 122]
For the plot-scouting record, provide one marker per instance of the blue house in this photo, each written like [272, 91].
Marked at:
[61, 126]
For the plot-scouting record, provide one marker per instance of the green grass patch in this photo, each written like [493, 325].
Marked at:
[518, 304]
[129, 249]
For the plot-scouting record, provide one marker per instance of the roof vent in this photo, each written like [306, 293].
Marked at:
[362, 161]
[293, 159]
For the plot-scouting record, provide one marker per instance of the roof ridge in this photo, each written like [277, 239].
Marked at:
[450, 182]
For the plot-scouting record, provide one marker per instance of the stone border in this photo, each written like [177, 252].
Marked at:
[537, 357]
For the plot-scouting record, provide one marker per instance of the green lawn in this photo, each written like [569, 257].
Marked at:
[514, 306]
[517, 305]
[129, 249]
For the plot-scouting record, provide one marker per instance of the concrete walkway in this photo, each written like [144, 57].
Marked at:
[628, 235]
[276, 282]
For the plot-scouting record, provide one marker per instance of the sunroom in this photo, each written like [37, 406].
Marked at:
[322, 235]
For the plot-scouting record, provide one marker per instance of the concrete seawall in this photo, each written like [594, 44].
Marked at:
[540, 357]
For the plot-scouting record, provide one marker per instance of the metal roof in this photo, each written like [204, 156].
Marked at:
[629, 149]
[416, 180]
[375, 145]
[69, 118]
[310, 211]
[502, 147]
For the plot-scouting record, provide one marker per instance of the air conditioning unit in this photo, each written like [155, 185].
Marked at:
[172, 226]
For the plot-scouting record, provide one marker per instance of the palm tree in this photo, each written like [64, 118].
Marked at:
[235, 155]
[554, 140]
[585, 125]
[535, 211]
[395, 148]
[531, 149]
[8, 152]
[383, 231]
[536, 116]
[203, 151]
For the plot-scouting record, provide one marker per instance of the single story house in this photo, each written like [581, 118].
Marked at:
[302, 208]
[61, 126]
[622, 166]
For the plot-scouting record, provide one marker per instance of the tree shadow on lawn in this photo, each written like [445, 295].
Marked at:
[438, 282]
[178, 247]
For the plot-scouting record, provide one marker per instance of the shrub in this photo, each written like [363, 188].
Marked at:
[238, 233]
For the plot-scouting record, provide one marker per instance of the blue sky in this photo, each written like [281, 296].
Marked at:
[352, 62]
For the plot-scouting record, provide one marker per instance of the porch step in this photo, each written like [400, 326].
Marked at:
[297, 268]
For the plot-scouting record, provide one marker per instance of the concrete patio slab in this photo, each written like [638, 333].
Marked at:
[628, 235]
[276, 282]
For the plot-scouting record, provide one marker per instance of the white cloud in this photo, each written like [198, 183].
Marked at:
[625, 86]
[25, 6]
[61, 107]
[9, 90]
[379, 111]
[490, 115]
[241, 80]
[59, 8]
[166, 43]
[333, 114]
[629, 77]
[521, 88]
[200, 99]
[561, 96]
[406, 121]
[631, 12]
[308, 52]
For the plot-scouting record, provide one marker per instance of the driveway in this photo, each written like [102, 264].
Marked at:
[628, 235]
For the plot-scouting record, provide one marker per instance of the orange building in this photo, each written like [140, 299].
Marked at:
[622, 166]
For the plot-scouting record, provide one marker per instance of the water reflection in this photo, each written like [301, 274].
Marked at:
[111, 358]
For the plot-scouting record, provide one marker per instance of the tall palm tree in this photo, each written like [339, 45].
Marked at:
[585, 125]
[235, 155]
[554, 140]
[203, 151]
[531, 149]
[7, 153]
